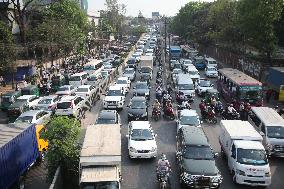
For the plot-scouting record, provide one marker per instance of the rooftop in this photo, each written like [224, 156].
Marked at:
[194, 136]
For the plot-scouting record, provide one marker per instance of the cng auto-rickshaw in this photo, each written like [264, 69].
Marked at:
[9, 98]
[30, 90]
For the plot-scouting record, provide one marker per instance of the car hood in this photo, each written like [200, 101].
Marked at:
[113, 98]
[17, 105]
[205, 88]
[200, 167]
[212, 72]
[142, 91]
[143, 145]
[136, 111]
[128, 75]
[121, 85]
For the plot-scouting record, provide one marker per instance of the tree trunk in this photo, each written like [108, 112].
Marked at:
[269, 60]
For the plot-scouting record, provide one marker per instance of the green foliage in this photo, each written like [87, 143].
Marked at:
[64, 150]
[256, 20]
[7, 50]
[138, 30]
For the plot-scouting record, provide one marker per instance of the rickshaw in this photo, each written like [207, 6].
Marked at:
[30, 90]
[209, 93]
[57, 81]
[9, 98]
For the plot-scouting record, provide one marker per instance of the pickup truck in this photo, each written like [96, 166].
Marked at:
[100, 158]
[146, 67]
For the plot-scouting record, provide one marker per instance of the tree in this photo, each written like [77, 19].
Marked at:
[256, 20]
[7, 52]
[64, 150]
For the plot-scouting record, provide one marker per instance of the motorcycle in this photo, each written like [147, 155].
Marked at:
[218, 108]
[163, 178]
[169, 113]
[156, 114]
[159, 81]
[180, 99]
[210, 117]
[230, 116]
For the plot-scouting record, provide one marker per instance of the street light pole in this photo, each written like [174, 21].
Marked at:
[165, 38]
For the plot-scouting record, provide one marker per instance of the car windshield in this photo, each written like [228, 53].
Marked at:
[177, 71]
[63, 105]
[141, 86]
[186, 86]
[138, 104]
[193, 72]
[146, 70]
[129, 72]
[92, 78]
[211, 69]
[114, 93]
[45, 101]
[21, 100]
[198, 153]
[82, 90]
[63, 89]
[189, 120]
[205, 83]
[251, 156]
[101, 185]
[75, 78]
[120, 81]
[275, 132]
[27, 119]
[141, 134]
[102, 120]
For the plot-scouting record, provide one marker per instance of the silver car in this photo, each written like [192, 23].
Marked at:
[48, 103]
[34, 116]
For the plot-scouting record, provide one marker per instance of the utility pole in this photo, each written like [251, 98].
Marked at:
[165, 38]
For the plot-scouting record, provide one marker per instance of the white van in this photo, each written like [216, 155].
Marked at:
[210, 62]
[270, 125]
[78, 79]
[242, 146]
[185, 85]
[93, 66]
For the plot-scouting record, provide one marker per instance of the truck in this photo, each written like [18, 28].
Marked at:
[146, 68]
[100, 157]
[275, 80]
[21, 146]
[175, 52]
[242, 146]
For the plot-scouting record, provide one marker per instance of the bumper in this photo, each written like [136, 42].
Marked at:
[253, 181]
[113, 106]
[212, 76]
[147, 155]
[194, 184]
[137, 118]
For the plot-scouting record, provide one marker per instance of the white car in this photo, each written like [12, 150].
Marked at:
[139, 52]
[124, 83]
[193, 74]
[34, 116]
[203, 86]
[188, 117]
[149, 54]
[114, 98]
[66, 90]
[141, 140]
[186, 63]
[31, 100]
[87, 91]
[137, 56]
[175, 73]
[129, 73]
[211, 71]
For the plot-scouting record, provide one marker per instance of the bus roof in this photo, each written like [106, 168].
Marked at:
[238, 77]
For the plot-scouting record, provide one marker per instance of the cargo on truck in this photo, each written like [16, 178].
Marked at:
[146, 67]
[21, 146]
[100, 158]
[275, 80]
[242, 145]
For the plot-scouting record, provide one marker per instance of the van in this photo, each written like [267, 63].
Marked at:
[270, 125]
[78, 79]
[242, 146]
[185, 84]
[210, 62]
[92, 66]
[196, 160]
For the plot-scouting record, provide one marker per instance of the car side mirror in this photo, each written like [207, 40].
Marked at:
[178, 154]
[127, 136]
[134, 87]
[149, 87]
[155, 135]
[201, 122]
[262, 133]
[216, 155]
[212, 85]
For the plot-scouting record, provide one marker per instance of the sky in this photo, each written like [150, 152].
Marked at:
[165, 7]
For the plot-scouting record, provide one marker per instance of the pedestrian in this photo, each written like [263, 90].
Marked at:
[1, 80]
[242, 111]
[268, 95]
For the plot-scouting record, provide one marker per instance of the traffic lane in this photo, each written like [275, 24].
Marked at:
[142, 173]
[213, 132]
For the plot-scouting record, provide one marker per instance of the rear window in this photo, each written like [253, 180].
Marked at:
[82, 90]
[64, 105]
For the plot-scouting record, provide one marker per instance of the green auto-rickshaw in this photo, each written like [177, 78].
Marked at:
[30, 90]
[9, 98]
[209, 93]
[57, 81]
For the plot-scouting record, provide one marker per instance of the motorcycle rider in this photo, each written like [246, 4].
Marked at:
[163, 165]
[213, 101]
[202, 107]
[231, 110]
[157, 105]
[186, 104]
[242, 111]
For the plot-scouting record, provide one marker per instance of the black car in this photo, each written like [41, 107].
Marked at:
[138, 109]
[142, 89]
[108, 117]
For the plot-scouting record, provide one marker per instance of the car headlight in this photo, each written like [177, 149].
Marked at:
[240, 172]
[269, 147]
[144, 115]
[188, 177]
[268, 174]
[153, 149]
[131, 149]
[147, 93]
[130, 114]
[217, 178]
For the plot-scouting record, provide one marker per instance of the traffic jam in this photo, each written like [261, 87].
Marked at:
[145, 95]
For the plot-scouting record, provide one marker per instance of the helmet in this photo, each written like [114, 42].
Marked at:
[156, 100]
[163, 157]
[212, 95]
[276, 107]
[202, 100]
[231, 105]
[248, 104]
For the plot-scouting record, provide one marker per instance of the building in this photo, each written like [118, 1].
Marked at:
[84, 5]
[155, 15]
